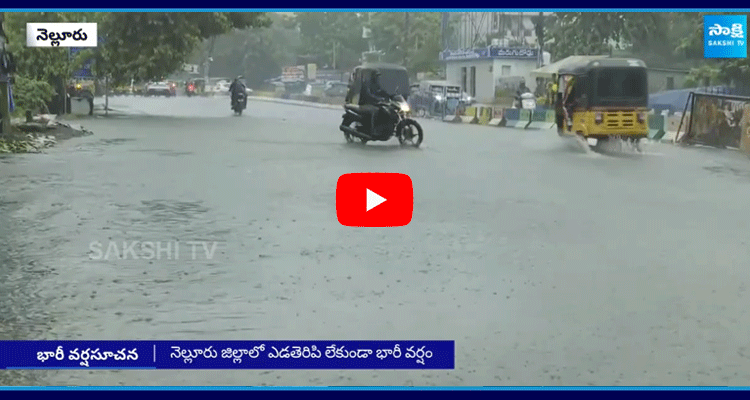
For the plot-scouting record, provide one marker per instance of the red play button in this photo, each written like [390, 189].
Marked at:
[374, 200]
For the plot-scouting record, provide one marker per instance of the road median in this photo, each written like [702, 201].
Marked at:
[297, 102]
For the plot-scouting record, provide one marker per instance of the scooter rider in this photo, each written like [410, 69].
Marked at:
[372, 94]
[236, 88]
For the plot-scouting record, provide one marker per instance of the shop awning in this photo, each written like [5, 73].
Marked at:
[547, 70]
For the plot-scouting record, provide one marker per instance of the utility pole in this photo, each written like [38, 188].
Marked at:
[212, 41]
[539, 27]
[407, 41]
[4, 84]
[444, 30]
[334, 54]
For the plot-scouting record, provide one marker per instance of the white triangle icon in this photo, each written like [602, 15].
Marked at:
[373, 200]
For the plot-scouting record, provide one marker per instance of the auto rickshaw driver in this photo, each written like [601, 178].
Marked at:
[569, 100]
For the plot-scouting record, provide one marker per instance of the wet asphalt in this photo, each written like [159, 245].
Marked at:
[547, 265]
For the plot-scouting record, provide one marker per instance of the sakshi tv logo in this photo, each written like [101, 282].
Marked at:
[725, 36]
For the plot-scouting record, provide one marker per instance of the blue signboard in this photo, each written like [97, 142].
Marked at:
[519, 53]
[86, 70]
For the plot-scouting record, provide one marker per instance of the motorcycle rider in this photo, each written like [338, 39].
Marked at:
[522, 89]
[236, 88]
[372, 94]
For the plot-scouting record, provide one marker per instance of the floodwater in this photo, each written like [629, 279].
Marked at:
[547, 265]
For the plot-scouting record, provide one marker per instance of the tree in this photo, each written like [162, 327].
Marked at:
[135, 45]
[324, 34]
[41, 63]
[257, 53]
[735, 70]
[150, 45]
[596, 33]
[40, 69]
[416, 45]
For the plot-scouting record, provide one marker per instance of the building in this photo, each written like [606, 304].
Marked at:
[492, 51]
[661, 79]
[483, 71]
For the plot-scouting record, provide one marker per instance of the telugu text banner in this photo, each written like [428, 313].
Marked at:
[288, 354]
[61, 34]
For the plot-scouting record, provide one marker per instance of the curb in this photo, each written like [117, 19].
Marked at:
[296, 102]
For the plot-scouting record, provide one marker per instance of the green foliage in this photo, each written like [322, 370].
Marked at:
[410, 39]
[257, 53]
[729, 70]
[587, 33]
[661, 39]
[138, 45]
[31, 94]
[319, 31]
[144, 46]
[41, 63]
[698, 76]
[418, 49]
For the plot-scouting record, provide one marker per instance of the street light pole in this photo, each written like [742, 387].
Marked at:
[407, 41]
[4, 85]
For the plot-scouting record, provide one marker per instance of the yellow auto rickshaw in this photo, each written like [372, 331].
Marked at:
[603, 99]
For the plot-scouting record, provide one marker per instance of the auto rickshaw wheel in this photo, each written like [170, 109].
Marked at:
[636, 144]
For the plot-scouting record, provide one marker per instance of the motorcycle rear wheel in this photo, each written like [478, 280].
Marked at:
[350, 138]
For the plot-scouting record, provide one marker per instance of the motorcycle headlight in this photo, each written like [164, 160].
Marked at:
[405, 107]
[439, 98]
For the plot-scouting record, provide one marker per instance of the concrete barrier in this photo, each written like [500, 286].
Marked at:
[655, 126]
[673, 124]
[524, 119]
[485, 115]
[456, 117]
[511, 116]
[551, 119]
[497, 117]
[539, 119]
[470, 115]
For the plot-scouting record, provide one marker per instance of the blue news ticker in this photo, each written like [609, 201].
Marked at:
[390, 393]
[275, 354]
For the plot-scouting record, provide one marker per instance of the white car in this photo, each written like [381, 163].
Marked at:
[466, 99]
[160, 89]
[222, 87]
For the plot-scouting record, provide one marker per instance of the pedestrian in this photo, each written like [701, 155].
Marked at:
[553, 90]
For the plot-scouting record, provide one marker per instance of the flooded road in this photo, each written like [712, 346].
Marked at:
[548, 266]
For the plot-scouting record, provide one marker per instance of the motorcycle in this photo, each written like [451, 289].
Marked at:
[190, 91]
[526, 101]
[239, 103]
[393, 118]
